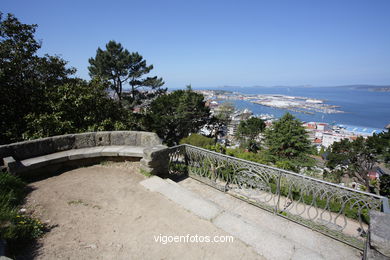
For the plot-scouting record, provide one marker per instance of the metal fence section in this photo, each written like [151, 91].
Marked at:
[331, 209]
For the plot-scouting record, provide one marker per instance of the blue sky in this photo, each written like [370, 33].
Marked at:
[216, 43]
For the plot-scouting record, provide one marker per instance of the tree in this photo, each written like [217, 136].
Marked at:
[356, 158]
[382, 146]
[120, 67]
[288, 143]
[25, 78]
[384, 185]
[176, 115]
[112, 64]
[78, 106]
[137, 71]
[222, 117]
[224, 112]
[248, 131]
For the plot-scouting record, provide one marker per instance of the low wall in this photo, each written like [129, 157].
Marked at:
[378, 242]
[39, 147]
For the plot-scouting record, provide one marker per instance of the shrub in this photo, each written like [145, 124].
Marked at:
[258, 157]
[12, 190]
[15, 227]
[198, 140]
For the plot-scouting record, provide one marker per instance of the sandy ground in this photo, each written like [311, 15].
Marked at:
[102, 212]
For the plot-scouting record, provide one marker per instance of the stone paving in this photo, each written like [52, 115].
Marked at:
[270, 236]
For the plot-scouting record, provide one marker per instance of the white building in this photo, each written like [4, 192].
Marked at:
[329, 138]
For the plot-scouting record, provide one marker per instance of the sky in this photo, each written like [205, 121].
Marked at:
[218, 43]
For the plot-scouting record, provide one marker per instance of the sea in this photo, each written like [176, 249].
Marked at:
[365, 109]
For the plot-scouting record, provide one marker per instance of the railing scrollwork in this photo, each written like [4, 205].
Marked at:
[334, 210]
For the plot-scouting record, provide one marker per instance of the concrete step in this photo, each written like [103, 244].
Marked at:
[187, 199]
[270, 236]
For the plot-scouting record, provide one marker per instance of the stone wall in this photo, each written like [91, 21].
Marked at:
[34, 148]
[378, 242]
[156, 160]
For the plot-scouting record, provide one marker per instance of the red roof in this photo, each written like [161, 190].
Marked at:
[317, 141]
[373, 175]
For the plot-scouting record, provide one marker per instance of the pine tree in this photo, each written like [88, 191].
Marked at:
[248, 131]
[118, 66]
[112, 64]
[176, 115]
[288, 143]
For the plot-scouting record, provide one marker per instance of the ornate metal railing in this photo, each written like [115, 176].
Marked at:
[334, 210]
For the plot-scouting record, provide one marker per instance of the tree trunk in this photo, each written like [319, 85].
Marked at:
[120, 91]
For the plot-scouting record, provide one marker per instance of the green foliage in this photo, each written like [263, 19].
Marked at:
[24, 77]
[287, 165]
[357, 158]
[78, 106]
[338, 154]
[197, 140]
[384, 184]
[15, 227]
[219, 148]
[176, 115]
[333, 176]
[118, 66]
[220, 119]
[381, 142]
[111, 64]
[224, 112]
[287, 140]
[12, 190]
[258, 157]
[250, 128]
[322, 151]
[248, 131]
[146, 173]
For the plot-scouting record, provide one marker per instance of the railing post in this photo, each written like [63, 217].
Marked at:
[378, 241]
[385, 205]
[278, 193]
[155, 160]
[185, 158]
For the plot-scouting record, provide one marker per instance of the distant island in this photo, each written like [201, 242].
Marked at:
[373, 88]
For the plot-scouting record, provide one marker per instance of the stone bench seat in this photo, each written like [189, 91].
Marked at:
[57, 153]
[75, 154]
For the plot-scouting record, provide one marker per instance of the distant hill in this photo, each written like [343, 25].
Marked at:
[375, 88]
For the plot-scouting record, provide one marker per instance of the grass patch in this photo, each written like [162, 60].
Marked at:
[15, 227]
[146, 173]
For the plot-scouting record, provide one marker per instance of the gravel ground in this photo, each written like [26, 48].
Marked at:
[102, 212]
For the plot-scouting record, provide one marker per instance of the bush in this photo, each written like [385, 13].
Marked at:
[15, 227]
[384, 182]
[12, 190]
[198, 140]
[258, 157]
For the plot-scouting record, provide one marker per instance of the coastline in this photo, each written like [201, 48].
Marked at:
[370, 110]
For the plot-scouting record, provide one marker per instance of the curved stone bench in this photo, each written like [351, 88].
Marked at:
[32, 155]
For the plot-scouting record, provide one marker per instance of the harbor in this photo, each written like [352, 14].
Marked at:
[354, 107]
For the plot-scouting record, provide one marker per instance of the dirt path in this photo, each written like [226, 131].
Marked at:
[101, 212]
